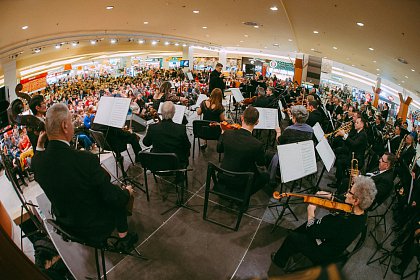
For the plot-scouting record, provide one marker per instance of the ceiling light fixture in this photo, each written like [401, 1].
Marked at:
[402, 81]
[312, 49]
[204, 27]
[335, 48]
[316, 32]
[37, 50]
[58, 46]
[274, 8]
[109, 7]
[290, 40]
[256, 26]
[25, 27]
[141, 41]
[196, 11]
[113, 41]
[276, 45]
[246, 35]
[154, 43]
[406, 77]
[413, 70]
[241, 41]
[184, 45]
[371, 49]
[166, 43]
[176, 44]
[360, 24]
[374, 61]
[74, 43]
[145, 22]
[377, 69]
[93, 42]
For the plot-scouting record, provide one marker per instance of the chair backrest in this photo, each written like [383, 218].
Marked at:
[100, 139]
[203, 130]
[159, 161]
[214, 172]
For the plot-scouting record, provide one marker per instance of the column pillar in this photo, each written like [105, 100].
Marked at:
[376, 92]
[402, 113]
[188, 54]
[222, 59]
[10, 79]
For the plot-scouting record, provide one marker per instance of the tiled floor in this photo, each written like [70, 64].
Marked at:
[181, 245]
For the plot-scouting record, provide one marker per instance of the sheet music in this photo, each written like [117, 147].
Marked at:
[200, 99]
[179, 113]
[326, 153]
[319, 133]
[268, 118]
[237, 94]
[330, 117]
[190, 76]
[296, 160]
[112, 111]
[283, 116]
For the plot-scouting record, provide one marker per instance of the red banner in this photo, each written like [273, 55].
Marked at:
[34, 83]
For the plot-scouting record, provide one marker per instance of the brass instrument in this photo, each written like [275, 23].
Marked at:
[346, 127]
[354, 169]
[401, 146]
[411, 168]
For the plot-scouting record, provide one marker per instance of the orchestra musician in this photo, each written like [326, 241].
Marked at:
[88, 205]
[216, 78]
[243, 152]
[169, 137]
[38, 108]
[265, 98]
[316, 115]
[322, 240]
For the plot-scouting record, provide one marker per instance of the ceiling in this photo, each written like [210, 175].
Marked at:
[391, 29]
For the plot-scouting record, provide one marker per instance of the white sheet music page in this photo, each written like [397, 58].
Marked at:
[296, 160]
[326, 153]
[112, 111]
[283, 116]
[179, 113]
[237, 94]
[268, 118]
[319, 133]
[200, 99]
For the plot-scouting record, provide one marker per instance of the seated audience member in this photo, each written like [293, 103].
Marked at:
[297, 132]
[322, 240]
[243, 152]
[38, 108]
[88, 205]
[25, 148]
[169, 137]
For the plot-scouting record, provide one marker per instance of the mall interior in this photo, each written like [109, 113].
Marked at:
[361, 54]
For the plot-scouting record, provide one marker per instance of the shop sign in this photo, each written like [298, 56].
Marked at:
[34, 83]
[281, 65]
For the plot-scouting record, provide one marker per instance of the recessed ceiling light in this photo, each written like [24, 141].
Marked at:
[25, 27]
[93, 42]
[241, 41]
[335, 48]
[265, 47]
[374, 61]
[406, 77]
[353, 65]
[312, 49]
[237, 45]
[37, 50]
[413, 70]
[145, 22]
[402, 81]
[360, 24]
[109, 7]
[377, 69]
[316, 32]
[58, 46]
[348, 58]
[141, 41]
[256, 26]
[113, 41]
[204, 27]
[371, 49]
[166, 43]
[74, 43]
[176, 44]
[246, 35]
[399, 84]
[196, 11]
[324, 57]
[184, 45]
[290, 40]
[274, 8]
[154, 43]
[377, 74]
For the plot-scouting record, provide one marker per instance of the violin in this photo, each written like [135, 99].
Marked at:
[323, 202]
[225, 125]
[250, 100]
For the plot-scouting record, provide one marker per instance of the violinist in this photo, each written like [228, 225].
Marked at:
[316, 115]
[243, 152]
[324, 239]
[88, 205]
[265, 98]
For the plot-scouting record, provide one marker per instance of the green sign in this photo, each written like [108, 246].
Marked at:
[281, 65]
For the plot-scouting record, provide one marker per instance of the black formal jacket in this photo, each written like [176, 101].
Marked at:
[357, 143]
[265, 102]
[316, 116]
[216, 81]
[384, 183]
[242, 151]
[395, 143]
[82, 196]
[169, 137]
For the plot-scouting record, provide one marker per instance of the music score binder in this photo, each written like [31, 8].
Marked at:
[112, 111]
[296, 160]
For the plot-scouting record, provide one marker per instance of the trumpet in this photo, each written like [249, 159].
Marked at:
[346, 127]
[402, 145]
[354, 169]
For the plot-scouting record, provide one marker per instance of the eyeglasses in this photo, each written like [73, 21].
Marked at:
[349, 192]
[381, 159]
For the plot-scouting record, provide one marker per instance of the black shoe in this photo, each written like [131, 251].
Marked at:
[397, 269]
[126, 244]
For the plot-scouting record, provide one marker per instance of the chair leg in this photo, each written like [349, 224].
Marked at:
[103, 263]
[129, 156]
[206, 204]
[194, 147]
[98, 271]
[238, 222]
[146, 185]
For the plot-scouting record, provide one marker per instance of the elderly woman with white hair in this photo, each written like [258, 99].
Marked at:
[322, 240]
[297, 132]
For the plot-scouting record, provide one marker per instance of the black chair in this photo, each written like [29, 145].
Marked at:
[101, 246]
[103, 145]
[203, 130]
[223, 191]
[165, 164]
[415, 271]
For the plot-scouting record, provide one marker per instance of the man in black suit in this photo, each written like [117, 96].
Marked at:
[216, 78]
[82, 197]
[265, 98]
[169, 137]
[243, 152]
[383, 177]
[316, 115]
